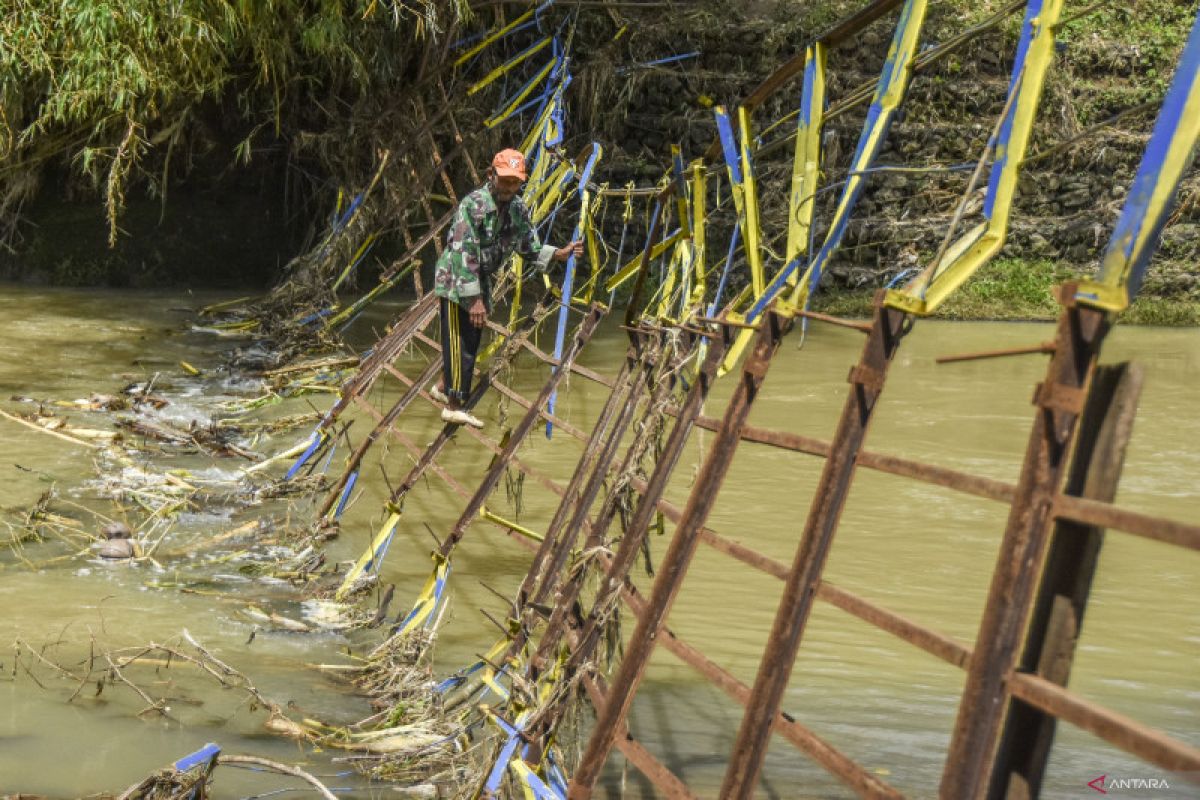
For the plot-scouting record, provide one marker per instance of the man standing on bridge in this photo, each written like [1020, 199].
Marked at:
[491, 223]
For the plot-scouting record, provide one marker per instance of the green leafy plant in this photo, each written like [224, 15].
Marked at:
[105, 85]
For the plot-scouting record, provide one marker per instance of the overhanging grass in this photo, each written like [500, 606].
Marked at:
[119, 90]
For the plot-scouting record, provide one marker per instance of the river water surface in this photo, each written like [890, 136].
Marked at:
[918, 550]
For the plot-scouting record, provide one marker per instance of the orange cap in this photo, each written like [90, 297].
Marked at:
[509, 162]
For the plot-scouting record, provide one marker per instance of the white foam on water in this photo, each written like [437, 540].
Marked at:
[212, 516]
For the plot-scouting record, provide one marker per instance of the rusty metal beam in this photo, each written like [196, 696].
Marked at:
[747, 555]
[385, 351]
[903, 467]
[521, 400]
[1078, 509]
[567, 592]
[586, 641]
[928, 473]
[597, 454]
[946, 648]
[383, 423]
[1034, 349]
[496, 447]
[943, 647]
[677, 559]
[660, 370]
[866, 384]
[1059, 401]
[651, 494]
[542, 355]
[500, 463]
[1103, 515]
[836, 762]
[663, 779]
[1128, 734]
[938, 476]
[554, 419]
[825, 754]
[1135, 738]
[829, 319]
[1107, 724]
[412, 448]
[542, 577]
[841, 31]
[1057, 620]
[550, 581]
[455, 485]
[434, 448]
[481, 387]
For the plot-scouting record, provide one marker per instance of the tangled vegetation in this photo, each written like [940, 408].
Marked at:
[118, 93]
[110, 103]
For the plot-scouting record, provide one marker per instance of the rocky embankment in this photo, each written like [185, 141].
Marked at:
[1069, 194]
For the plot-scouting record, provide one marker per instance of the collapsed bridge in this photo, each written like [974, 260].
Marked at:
[684, 335]
[708, 291]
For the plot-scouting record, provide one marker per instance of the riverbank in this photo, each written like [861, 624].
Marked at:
[1009, 289]
[1005, 290]
[239, 214]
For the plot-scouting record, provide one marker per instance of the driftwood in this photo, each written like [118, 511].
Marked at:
[283, 769]
[42, 429]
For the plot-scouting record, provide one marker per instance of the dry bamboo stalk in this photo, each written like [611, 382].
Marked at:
[40, 429]
[295, 772]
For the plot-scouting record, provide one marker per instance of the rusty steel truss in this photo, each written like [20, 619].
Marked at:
[1016, 673]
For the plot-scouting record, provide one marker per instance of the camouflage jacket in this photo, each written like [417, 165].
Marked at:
[481, 239]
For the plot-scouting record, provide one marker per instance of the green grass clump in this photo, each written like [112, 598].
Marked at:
[850, 303]
[1008, 289]
[1162, 311]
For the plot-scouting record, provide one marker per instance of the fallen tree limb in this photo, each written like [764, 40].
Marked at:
[40, 429]
[284, 769]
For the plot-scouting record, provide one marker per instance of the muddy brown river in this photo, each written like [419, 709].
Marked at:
[921, 551]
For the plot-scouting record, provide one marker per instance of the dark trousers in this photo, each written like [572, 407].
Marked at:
[460, 343]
